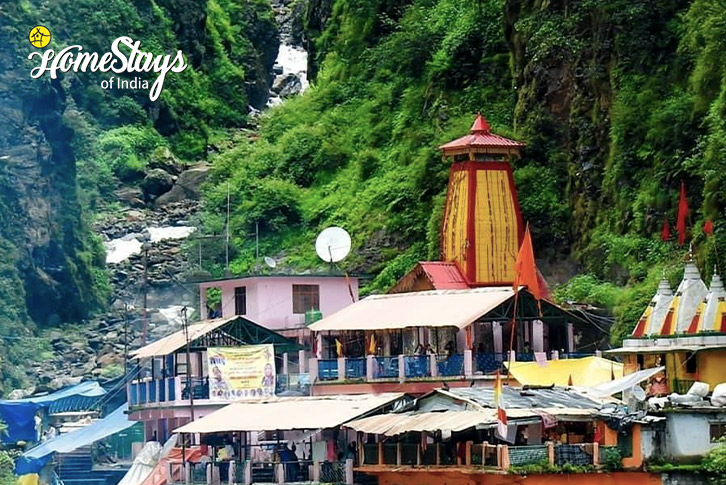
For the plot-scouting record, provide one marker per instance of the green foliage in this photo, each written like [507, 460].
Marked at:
[715, 463]
[587, 288]
[7, 465]
[613, 459]
[112, 371]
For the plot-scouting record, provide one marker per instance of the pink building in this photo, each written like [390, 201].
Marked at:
[281, 302]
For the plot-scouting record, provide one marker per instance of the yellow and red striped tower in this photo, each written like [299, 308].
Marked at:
[482, 227]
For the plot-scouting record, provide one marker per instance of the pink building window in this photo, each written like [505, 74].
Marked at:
[305, 298]
[240, 300]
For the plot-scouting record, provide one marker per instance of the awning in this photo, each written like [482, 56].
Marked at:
[437, 308]
[32, 461]
[587, 371]
[626, 382]
[394, 424]
[658, 350]
[289, 413]
[243, 330]
[19, 414]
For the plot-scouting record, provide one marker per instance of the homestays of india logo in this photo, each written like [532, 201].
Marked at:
[125, 56]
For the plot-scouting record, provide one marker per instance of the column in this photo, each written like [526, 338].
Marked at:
[302, 359]
[341, 368]
[468, 363]
[401, 367]
[318, 345]
[248, 472]
[570, 338]
[434, 365]
[538, 336]
[349, 472]
[313, 369]
[370, 363]
[386, 343]
[497, 335]
[316, 471]
[280, 473]
[285, 364]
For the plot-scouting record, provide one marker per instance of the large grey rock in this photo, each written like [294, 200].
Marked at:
[156, 183]
[187, 186]
[287, 85]
[133, 196]
[163, 158]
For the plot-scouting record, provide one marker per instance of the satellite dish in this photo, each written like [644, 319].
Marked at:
[270, 262]
[333, 244]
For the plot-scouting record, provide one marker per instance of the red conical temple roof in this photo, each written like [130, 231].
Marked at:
[480, 136]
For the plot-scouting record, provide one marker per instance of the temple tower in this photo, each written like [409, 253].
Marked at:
[482, 227]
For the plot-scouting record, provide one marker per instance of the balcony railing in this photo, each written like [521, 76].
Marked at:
[244, 472]
[500, 457]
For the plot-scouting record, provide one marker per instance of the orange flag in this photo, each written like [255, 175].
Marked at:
[525, 268]
[682, 215]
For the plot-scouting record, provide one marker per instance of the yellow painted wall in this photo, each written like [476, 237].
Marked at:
[497, 241]
[712, 366]
[454, 225]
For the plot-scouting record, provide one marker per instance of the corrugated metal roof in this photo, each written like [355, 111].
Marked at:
[177, 340]
[290, 413]
[443, 275]
[395, 424]
[517, 398]
[480, 136]
[438, 308]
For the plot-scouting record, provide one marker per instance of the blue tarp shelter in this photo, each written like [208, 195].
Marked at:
[32, 461]
[19, 414]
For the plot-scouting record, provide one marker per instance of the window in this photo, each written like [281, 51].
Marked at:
[718, 430]
[691, 363]
[240, 300]
[305, 298]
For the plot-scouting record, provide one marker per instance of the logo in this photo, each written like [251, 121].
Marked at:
[39, 36]
[125, 58]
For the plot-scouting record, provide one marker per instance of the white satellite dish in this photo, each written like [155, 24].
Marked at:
[333, 244]
[270, 262]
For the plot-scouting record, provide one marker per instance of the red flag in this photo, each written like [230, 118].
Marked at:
[708, 227]
[525, 268]
[682, 215]
[665, 234]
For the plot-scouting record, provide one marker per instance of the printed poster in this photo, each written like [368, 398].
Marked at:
[237, 373]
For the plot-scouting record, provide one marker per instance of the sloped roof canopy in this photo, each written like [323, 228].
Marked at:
[440, 308]
[431, 275]
[587, 371]
[222, 332]
[481, 139]
[297, 413]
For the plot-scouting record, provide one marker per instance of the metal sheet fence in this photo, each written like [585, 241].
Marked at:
[451, 366]
[328, 369]
[417, 366]
[385, 367]
[579, 455]
[527, 455]
[355, 368]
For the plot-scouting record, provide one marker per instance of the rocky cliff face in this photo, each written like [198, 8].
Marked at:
[52, 267]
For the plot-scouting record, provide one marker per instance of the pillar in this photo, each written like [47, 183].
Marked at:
[349, 472]
[316, 471]
[468, 363]
[386, 343]
[318, 345]
[187, 473]
[248, 472]
[505, 457]
[285, 363]
[313, 369]
[555, 355]
[434, 365]
[401, 368]
[302, 359]
[596, 454]
[370, 363]
[341, 368]
[570, 337]
[512, 356]
[398, 453]
[380, 452]
[280, 473]
[469, 445]
[232, 472]
[497, 336]
[550, 453]
[538, 336]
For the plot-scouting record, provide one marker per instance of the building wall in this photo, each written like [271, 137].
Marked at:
[688, 435]
[711, 365]
[464, 476]
[269, 299]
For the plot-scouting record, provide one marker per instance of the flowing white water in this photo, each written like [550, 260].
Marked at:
[294, 60]
[121, 249]
[173, 314]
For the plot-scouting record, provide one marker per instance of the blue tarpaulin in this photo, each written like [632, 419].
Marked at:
[19, 414]
[32, 461]
[20, 420]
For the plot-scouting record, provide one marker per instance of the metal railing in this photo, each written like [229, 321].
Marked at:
[417, 365]
[385, 367]
[528, 455]
[328, 369]
[355, 368]
[452, 365]
[487, 362]
[579, 454]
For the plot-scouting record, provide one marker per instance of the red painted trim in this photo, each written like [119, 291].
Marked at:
[471, 263]
[447, 206]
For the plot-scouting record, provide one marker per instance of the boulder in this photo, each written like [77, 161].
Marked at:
[287, 85]
[187, 186]
[163, 159]
[156, 183]
[133, 196]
